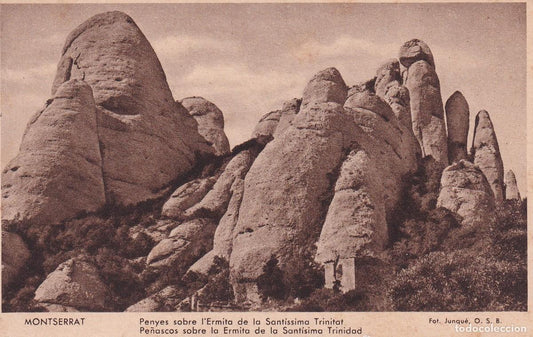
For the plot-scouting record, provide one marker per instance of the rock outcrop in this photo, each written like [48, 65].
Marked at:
[389, 86]
[58, 171]
[146, 139]
[426, 103]
[210, 122]
[326, 86]
[415, 50]
[457, 121]
[511, 187]
[274, 123]
[186, 196]
[15, 255]
[486, 154]
[75, 283]
[267, 125]
[368, 189]
[466, 192]
[284, 191]
[185, 244]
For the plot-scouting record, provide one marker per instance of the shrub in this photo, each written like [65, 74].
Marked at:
[270, 283]
[460, 281]
[218, 288]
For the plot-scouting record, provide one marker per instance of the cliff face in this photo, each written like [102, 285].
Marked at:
[324, 177]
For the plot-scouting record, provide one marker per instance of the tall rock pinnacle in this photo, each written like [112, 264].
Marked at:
[426, 103]
[457, 119]
[486, 154]
[511, 188]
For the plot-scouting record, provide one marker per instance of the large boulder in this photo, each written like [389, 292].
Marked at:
[58, 170]
[486, 154]
[75, 283]
[288, 111]
[147, 140]
[210, 122]
[389, 139]
[466, 192]
[186, 196]
[415, 50]
[511, 187]
[272, 124]
[457, 121]
[15, 255]
[185, 244]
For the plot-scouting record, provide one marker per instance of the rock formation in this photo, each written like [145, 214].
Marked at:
[267, 125]
[210, 122]
[327, 179]
[326, 86]
[486, 154]
[136, 113]
[276, 122]
[426, 103]
[187, 196]
[389, 87]
[58, 171]
[466, 191]
[15, 255]
[185, 244]
[111, 134]
[415, 50]
[511, 188]
[278, 214]
[457, 121]
[75, 283]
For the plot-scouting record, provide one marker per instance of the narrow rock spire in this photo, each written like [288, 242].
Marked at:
[426, 103]
[511, 188]
[486, 154]
[457, 119]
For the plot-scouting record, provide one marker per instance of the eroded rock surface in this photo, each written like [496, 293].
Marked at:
[58, 170]
[457, 121]
[466, 191]
[75, 283]
[146, 139]
[511, 187]
[210, 122]
[426, 103]
[486, 154]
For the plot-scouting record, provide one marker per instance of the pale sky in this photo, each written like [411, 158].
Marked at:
[249, 58]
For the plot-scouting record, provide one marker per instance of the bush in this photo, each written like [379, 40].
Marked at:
[460, 281]
[218, 288]
[270, 284]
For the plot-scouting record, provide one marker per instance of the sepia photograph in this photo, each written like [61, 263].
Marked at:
[280, 158]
